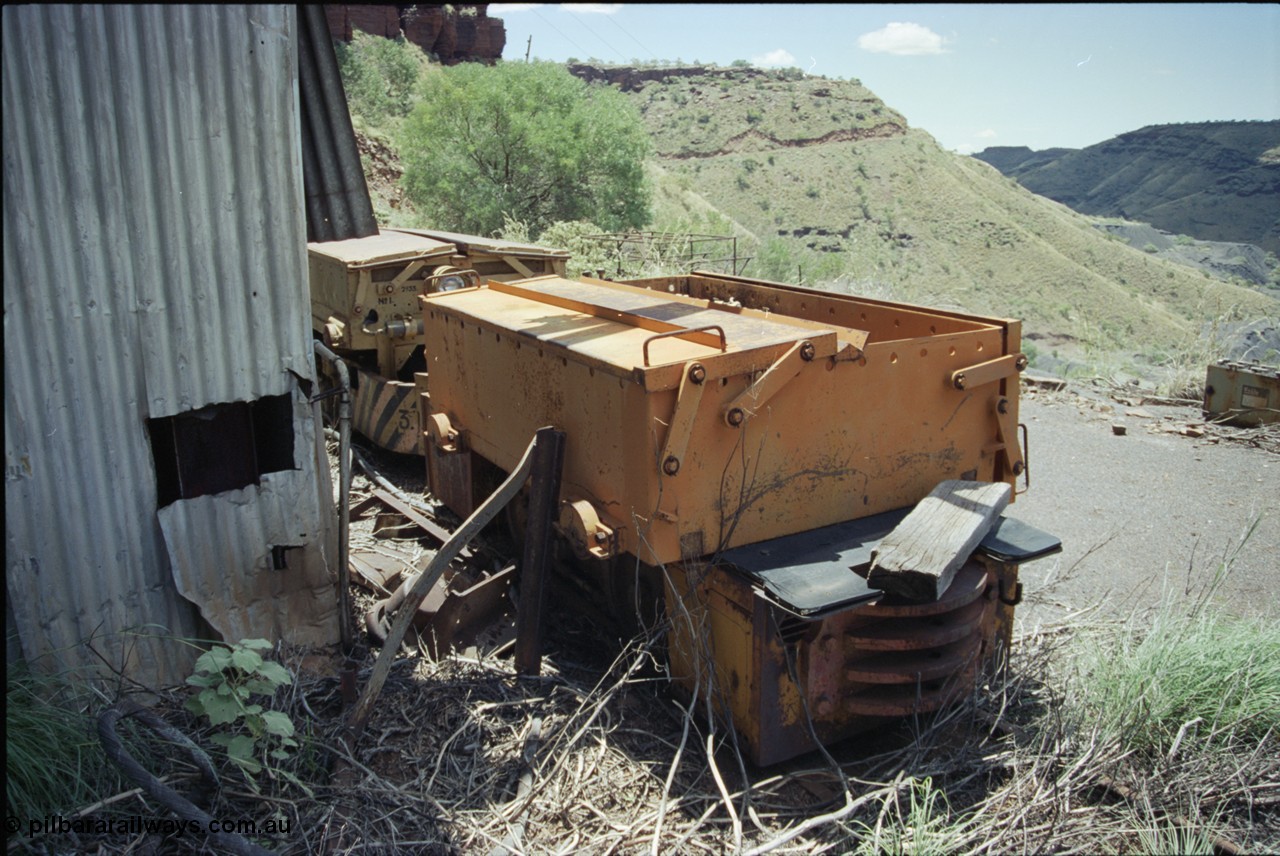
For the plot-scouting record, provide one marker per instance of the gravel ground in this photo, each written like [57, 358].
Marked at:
[1136, 512]
[1147, 510]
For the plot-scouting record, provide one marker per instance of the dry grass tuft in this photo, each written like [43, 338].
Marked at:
[595, 755]
[462, 756]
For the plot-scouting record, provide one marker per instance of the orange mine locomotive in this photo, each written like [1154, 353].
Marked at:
[805, 489]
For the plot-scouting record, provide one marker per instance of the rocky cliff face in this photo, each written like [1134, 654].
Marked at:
[460, 34]
[631, 79]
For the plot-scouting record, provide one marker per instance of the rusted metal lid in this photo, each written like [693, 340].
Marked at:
[385, 247]
[637, 333]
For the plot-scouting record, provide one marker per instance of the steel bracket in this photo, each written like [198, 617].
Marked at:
[778, 375]
[988, 372]
[1007, 434]
[688, 398]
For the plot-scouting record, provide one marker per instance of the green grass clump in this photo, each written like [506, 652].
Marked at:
[1162, 838]
[54, 763]
[924, 827]
[1201, 677]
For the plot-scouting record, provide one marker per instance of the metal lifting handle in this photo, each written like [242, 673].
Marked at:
[723, 342]
[467, 278]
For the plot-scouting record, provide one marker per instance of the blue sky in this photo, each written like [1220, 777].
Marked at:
[971, 75]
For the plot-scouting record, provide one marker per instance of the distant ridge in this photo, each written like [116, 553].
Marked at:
[1217, 181]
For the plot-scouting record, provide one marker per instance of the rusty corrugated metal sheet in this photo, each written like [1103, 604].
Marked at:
[338, 203]
[154, 263]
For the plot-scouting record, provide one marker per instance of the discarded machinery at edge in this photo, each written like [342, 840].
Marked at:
[364, 307]
[735, 451]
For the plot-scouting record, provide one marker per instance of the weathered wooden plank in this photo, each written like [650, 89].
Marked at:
[921, 556]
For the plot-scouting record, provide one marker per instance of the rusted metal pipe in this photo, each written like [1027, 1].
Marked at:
[113, 746]
[344, 495]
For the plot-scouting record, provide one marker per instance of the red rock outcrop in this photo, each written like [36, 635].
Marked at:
[629, 78]
[451, 37]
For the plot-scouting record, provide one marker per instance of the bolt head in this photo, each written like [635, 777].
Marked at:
[736, 417]
[697, 373]
[671, 465]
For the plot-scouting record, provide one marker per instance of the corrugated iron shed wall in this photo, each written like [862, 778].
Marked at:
[154, 263]
[338, 203]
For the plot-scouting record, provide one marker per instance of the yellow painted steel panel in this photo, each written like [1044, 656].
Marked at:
[844, 438]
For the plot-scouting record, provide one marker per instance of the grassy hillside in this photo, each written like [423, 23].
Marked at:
[831, 186]
[827, 186]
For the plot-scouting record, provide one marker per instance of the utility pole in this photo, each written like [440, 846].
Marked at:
[528, 48]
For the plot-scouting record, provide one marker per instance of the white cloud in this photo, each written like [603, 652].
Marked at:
[774, 59]
[497, 10]
[986, 134]
[902, 39]
[592, 8]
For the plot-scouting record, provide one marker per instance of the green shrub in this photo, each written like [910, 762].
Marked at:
[379, 76]
[1031, 351]
[924, 827]
[525, 140]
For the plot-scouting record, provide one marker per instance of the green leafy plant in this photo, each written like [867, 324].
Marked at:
[1188, 675]
[228, 679]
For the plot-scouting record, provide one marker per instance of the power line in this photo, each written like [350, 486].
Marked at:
[584, 23]
[633, 38]
[580, 48]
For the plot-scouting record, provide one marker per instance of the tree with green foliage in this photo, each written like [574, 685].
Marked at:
[525, 141]
[378, 75]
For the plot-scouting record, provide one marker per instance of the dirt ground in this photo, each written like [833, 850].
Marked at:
[1160, 507]
[1142, 512]
[1155, 508]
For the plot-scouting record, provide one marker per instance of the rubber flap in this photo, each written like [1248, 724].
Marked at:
[816, 571]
